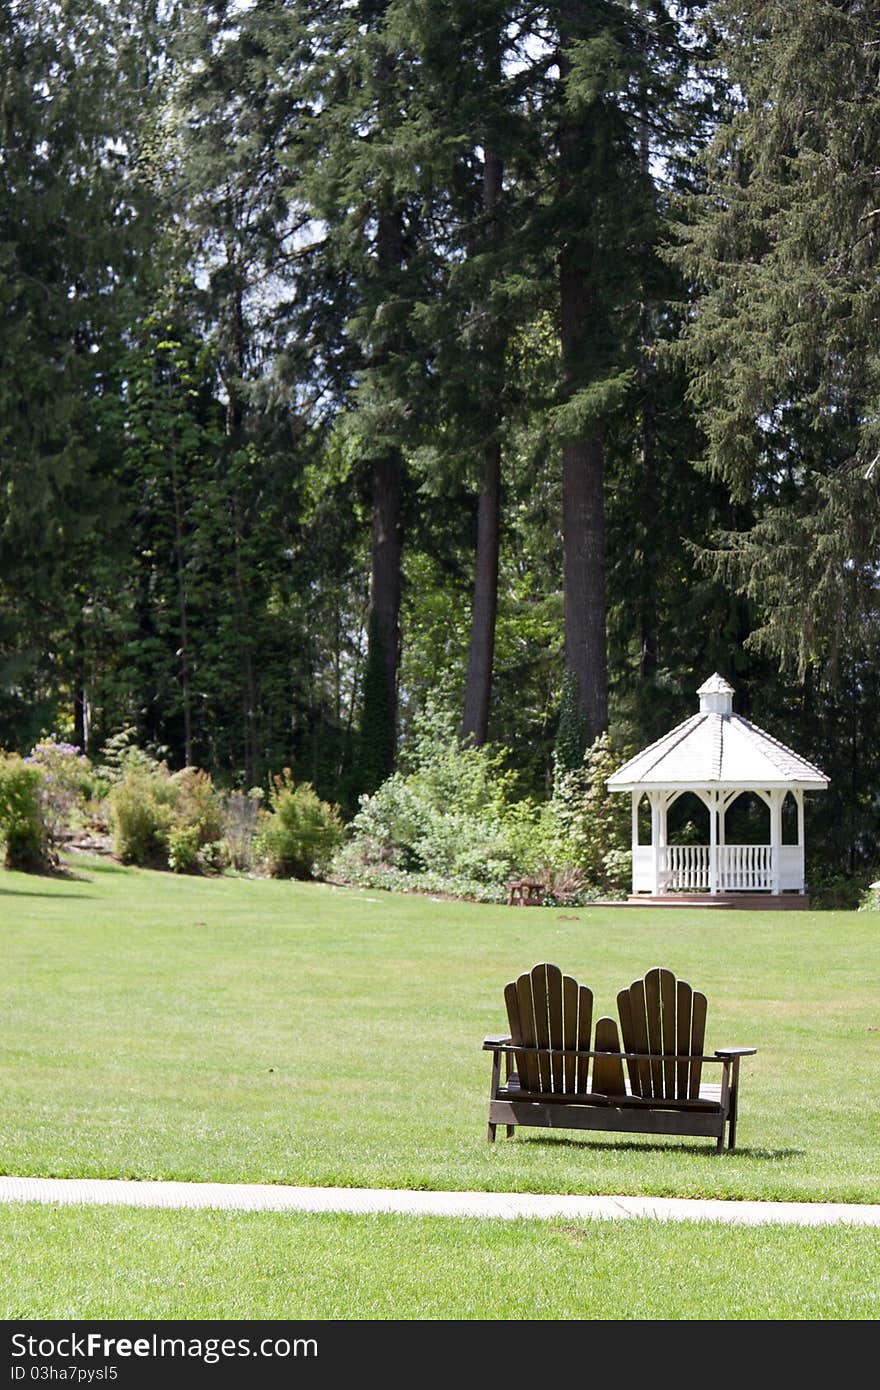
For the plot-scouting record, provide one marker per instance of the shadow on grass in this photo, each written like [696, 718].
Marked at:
[57, 873]
[31, 893]
[706, 1150]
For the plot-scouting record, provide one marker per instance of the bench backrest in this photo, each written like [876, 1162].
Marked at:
[661, 1015]
[547, 1009]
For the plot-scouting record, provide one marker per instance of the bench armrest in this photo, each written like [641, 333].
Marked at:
[735, 1051]
[496, 1040]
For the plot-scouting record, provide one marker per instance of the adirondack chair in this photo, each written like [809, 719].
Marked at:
[554, 1078]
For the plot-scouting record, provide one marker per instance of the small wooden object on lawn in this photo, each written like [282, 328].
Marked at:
[524, 892]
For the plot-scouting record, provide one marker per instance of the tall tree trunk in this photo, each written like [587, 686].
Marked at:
[234, 429]
[478, 687]
[385, 585]
[481, 655]
[583, 525]
[379, 714]
[183, 614]
[648, 603]
[583, 513]
[583, 464]
[650, 501]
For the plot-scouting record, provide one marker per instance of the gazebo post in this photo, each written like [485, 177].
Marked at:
[654, 799]
[799, 799]
[776, 841]
[712, 802]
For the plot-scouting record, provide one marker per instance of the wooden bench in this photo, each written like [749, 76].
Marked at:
[555, 1079]
[524, 892]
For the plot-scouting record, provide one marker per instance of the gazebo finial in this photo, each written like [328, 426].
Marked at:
[716, 696]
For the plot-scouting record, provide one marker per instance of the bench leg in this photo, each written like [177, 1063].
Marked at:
[490, 1135]
[510, 1129]
[734, 1098]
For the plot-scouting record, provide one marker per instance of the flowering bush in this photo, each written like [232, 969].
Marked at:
[66, 781]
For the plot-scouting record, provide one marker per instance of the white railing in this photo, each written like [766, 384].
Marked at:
[685, 868]
[745, 867]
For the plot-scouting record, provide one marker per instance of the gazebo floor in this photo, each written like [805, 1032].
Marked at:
[764, 902]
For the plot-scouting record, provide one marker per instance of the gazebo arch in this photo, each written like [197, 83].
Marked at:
[717, 755]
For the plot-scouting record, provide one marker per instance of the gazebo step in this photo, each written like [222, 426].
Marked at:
[765, 902]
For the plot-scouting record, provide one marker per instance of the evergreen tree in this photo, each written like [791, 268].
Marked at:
[75, 232]
[783, 248]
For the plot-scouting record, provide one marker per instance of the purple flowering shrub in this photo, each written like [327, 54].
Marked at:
[66, 781]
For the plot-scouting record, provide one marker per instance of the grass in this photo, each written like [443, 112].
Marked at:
[236, 1030]
[121, 1263]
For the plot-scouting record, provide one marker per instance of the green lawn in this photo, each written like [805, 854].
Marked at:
[117, 1263]
[164, 1027]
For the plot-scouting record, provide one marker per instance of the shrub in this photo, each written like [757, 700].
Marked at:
[870, 899]
[451, 818]
[197, 805]
[141, 817]
[183, 849]
[300, 833]
[834, 889]
[22, 827]
[161, 821]
[594, 830]
[66, 781]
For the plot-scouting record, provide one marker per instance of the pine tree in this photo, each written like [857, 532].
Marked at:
[76, 226]
[783, 247]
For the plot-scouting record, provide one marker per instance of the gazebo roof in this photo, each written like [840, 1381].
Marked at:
[717, 748]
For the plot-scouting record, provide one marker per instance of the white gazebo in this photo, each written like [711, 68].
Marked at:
[717, 755]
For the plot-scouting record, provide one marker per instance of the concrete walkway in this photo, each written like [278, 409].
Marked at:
[364, 1201]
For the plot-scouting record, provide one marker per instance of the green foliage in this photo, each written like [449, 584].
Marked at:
[451, 821]
[77, 238]
[22, 826]
[594, 824]
[300, 832]
[571, 733]
[834, 888]
[781, 345]
[141, 817]
[162, 821]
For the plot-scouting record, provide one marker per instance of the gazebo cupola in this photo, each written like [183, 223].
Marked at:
[719, 756]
